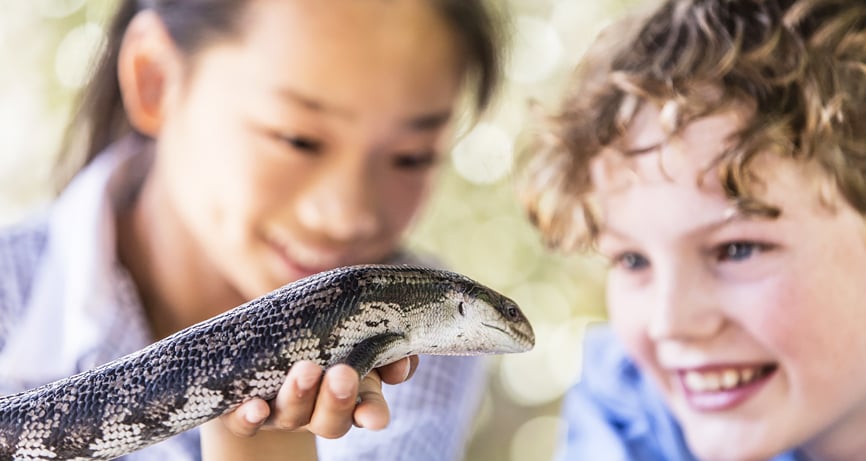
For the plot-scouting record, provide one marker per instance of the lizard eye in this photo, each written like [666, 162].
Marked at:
[461, 309]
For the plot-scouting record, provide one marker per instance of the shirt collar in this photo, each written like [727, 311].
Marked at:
[83, 309]
[631, 400]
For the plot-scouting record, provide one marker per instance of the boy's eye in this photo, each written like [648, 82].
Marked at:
[417, 161]
[630, 261]
[738, 251]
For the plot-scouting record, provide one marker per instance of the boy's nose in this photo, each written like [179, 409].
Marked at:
[683, 307]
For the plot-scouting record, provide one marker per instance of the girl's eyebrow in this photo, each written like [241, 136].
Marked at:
[313, 104]
[429, 122]
[424, 122]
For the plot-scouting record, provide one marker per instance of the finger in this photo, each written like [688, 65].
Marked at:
[399, 371]
[293, 406]
[245, 420]
[372, 413]
[335, 405]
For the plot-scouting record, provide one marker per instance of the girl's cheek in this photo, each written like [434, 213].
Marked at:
[403, 201]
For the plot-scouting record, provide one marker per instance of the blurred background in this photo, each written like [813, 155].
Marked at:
[473, 223]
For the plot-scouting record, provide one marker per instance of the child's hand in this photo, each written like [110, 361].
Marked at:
[327, 406]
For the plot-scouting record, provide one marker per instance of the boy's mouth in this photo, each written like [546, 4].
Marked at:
[724, 379]
[725, 387]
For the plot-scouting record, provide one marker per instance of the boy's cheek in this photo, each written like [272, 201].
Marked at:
[630, 322]
[630, 327]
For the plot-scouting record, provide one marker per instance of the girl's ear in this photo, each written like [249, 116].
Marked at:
[149, 72]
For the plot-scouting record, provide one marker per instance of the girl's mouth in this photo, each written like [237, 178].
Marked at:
[300, 262]
[722, 388]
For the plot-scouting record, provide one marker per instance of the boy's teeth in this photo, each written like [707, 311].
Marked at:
[710, 381]
[730, 378]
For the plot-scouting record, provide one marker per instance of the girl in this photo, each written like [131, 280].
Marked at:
[231, 147]
[715, 158]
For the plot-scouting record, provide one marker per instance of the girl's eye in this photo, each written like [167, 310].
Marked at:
[418, 161]
[302, 144]
[738, 251]
[631, 261]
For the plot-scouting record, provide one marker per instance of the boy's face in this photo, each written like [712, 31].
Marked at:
[751, 326]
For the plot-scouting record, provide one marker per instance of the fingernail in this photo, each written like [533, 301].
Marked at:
[254, 415]
[341, 388]
[307, 382]
[408, 368]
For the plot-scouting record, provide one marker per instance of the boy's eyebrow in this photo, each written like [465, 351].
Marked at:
[730, 215]
[424, 122]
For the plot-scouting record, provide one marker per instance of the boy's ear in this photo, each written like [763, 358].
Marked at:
[149, 70]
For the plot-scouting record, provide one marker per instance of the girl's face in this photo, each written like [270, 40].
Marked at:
[309, 142]
[752, 327]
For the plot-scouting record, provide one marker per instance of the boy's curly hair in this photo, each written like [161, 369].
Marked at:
[799, 64]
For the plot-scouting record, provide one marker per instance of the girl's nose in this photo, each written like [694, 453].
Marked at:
[340, 203]
[683, 307]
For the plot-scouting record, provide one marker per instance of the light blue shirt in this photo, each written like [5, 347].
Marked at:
[616, 414]
[68, 305]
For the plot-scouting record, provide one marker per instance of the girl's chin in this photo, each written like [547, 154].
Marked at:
[266, 277]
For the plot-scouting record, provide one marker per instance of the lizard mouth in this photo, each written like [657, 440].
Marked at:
[520, 341]
[490, 325]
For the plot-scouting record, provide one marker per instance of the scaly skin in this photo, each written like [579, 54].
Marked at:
[364, 316]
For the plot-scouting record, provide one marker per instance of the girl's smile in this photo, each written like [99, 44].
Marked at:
[301, 260]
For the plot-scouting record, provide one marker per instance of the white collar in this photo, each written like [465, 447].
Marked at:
[80, 293]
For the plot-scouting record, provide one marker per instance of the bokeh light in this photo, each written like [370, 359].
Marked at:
[535, 439]
[58, 8]
[485, 155]
[494, 253]
[537, 51]
[545, 373]
[75, 54]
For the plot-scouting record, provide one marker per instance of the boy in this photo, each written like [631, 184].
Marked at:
[716, 158]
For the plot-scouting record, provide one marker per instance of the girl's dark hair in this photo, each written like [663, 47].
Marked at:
[100, 119]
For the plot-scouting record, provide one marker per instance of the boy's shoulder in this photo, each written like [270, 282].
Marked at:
[611, 376]
[615, 410]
